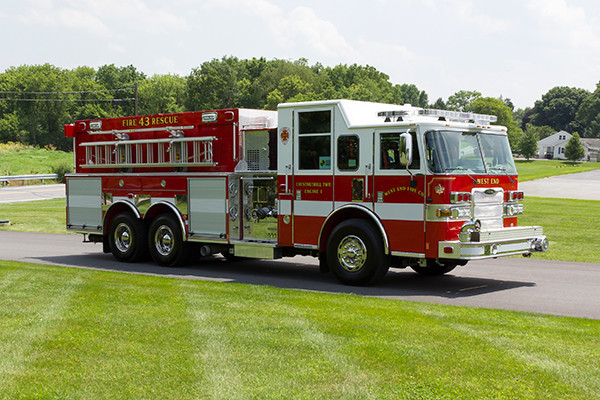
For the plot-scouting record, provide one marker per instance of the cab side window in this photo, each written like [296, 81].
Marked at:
[315, 139]
[390, 154]
[347, 153]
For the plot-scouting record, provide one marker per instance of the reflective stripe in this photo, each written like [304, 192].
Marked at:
[310, 208]
[401, 212]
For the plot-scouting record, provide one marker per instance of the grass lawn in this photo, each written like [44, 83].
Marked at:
[17, 159]
[571, 226]
[538, 169]
[91, 334]
[35, 216]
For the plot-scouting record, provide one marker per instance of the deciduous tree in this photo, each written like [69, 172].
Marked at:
[574, 149]
[558, 108]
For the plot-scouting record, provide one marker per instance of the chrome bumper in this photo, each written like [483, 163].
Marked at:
[497, 243]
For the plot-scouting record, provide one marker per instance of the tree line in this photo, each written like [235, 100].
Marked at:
[37, 100]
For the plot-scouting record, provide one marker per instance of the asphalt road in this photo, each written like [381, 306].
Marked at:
[584, 186]
[547, 287]
[17, 194]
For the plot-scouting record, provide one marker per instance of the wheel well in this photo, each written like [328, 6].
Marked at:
[118, 208]
[348, 212]
[163, 208]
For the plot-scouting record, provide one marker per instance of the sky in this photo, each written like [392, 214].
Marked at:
[517, 49]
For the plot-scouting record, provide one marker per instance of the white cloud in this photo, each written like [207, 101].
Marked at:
[82, 21]
[397, 54]
[299, 27]
[107, 18]
[319, 34]
[484, 23]
[564, 23]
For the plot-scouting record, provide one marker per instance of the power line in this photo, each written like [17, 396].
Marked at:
[73, 92]
[65, 100]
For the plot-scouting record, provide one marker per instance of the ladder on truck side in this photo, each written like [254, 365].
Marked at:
[175, 151]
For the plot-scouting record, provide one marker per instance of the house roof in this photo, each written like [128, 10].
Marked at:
[553, 139]
[591, 142]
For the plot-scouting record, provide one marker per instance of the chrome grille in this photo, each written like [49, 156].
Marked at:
[488, 207]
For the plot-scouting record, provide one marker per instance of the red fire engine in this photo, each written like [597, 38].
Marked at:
[363, 186]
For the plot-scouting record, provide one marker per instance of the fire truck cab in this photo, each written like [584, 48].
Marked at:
[363, 186]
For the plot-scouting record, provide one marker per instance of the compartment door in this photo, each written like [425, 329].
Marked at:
[84, 204]
[207, 212]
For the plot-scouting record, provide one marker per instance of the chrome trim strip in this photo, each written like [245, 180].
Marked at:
[407, 254]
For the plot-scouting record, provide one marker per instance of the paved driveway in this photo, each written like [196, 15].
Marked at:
[584, 185]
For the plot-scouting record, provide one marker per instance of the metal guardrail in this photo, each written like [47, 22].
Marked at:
[9, 178]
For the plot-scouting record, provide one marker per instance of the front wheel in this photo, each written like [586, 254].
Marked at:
[166, 243]
[355, 253]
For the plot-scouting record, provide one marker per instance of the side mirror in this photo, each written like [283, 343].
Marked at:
[405, 148]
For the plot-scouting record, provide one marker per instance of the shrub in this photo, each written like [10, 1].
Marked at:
[61, 170]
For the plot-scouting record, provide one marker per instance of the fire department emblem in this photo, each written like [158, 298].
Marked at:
[439, 189]
[284, 134]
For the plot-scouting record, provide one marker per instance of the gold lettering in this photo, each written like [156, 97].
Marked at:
[127, 123]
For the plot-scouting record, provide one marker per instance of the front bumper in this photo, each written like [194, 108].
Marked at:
[490, 244]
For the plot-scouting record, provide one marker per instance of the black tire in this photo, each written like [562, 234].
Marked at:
[434, 268]
[165, 241]
[127, 238]
[355, 253]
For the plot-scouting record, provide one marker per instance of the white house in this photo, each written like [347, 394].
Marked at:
[553, 147]
[592, 149]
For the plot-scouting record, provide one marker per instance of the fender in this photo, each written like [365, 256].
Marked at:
[154, 211]
[119, 204]
[361, 209]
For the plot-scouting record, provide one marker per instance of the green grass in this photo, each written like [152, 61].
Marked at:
[538, 169]
[17, 159]
[83, 334]
[35, 216]
[570, 225]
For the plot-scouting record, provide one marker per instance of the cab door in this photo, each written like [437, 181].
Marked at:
[312, 171]
[399, 192]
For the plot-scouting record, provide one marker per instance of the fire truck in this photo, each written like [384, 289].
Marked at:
[362, 186]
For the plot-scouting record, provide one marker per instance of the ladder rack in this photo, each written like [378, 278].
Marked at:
[168, 152]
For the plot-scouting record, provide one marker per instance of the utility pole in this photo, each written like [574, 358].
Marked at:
[135, 112]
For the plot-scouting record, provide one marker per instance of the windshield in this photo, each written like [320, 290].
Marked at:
[469, 153]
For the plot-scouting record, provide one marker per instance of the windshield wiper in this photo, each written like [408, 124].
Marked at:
[461, 169]
[503, 170]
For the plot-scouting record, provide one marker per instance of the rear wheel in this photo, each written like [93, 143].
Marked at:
[355, 253]
[166, 243]
[127, 238]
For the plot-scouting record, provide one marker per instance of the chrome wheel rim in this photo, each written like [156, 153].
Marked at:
[123, 237]
[164, 240]
[352, 253]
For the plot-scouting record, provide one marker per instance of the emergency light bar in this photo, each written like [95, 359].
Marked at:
[459, 116]
[444, 115]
